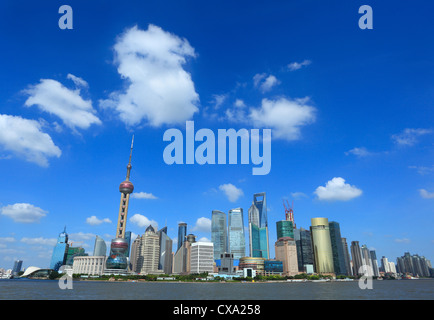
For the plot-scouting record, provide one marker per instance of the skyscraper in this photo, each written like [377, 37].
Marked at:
[17, 267]
[182, 233]
[148, 252]
[347, 257]
[165, 262]
[258, 227]
[286, 251]
[58, 258]
[367, 262]
[337, 249]
[303, 241]
[322, 247]
[218, 233]
[375, 268]
[119, 246]
[356, 255]
[100, 248]
[285, 229]
[201, 257]
[236, 237]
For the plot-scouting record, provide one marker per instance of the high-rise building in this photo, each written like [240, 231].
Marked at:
[100, 248]
[366, 261]
[218, 233]
[148, 252]
[356, 255]
[72, 253]
[117, 259]
[322, 247]
[385, 265]
[303, 241]
[128, 239]
[414, 265]
[286, 251]
[284, 229]
[337, 249]
[202, 257]
[165, 262]
[236, 237]
[181, 259]
[347, 257]
[182, 233]
[258, 227]
[17, 267]
[374, 263]
[58, 258]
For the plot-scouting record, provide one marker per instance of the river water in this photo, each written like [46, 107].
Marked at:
[26, 289]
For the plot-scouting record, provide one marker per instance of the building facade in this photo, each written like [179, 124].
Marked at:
[356, 255]
[218, 233]
[60, 251]
[202, 257]
[339, 265]
[100, 247]
[89, 265]
[286, 251]
[148, 252]
[236, 236]
[322, 247]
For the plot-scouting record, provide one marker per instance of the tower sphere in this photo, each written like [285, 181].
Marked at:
[126, 187]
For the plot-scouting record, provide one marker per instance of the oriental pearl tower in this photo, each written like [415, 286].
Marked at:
[119, 246]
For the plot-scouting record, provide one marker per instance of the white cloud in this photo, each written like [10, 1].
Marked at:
[79, 82]
[265, 83]
[298, 195]
[422, 170]
[409, 136]
[159, 90]
[359, 152]
[23, 212]
[283, 116]
[204, 239]
[39, 241]
[403, 240]
[24, 138]
[298, 65]
[337, 189]
[142, 221]
[231, 191]
[202, 225]
[143, 195]
[94, 221]
[52, 97]
[425, 194]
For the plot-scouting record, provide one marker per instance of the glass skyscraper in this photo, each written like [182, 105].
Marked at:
[165, 262]
[236, 237]
[303, 241]
[182, 233]
[284, 229]
[337, 249]
[59, 252]
[258, 227]
[356, 255]
[322, 247]
[100, 248]
[218, 233]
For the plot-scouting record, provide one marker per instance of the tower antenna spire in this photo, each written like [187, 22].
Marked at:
[129, 166]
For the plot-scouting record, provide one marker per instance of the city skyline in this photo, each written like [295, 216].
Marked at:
[350, 113]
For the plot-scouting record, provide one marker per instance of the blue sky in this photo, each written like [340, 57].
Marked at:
[351, 114]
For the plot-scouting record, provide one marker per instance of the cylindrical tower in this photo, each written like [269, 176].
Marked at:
[322, 247]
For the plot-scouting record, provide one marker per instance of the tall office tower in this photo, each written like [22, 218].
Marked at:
[148, 252]
[322, 247]
[135, 247]
[202, 257]
[258, 227]
[347, 257]
[17, 267]
[286, 251]
[236, 237]
[119, 246]
[374, 263]
[182, 233]
[100, 248]
[303, 241]
[385, 265]
[72, 253]
[337, 249]
[128, 239]
[284, 229]
[58, 258]
[356, 255]
[218, 233]
[367, 262]
[181, 259]
[165, 262]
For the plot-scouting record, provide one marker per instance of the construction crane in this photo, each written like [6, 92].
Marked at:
[289, 212]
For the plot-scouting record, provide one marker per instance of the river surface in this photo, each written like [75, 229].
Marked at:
[26, 289]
